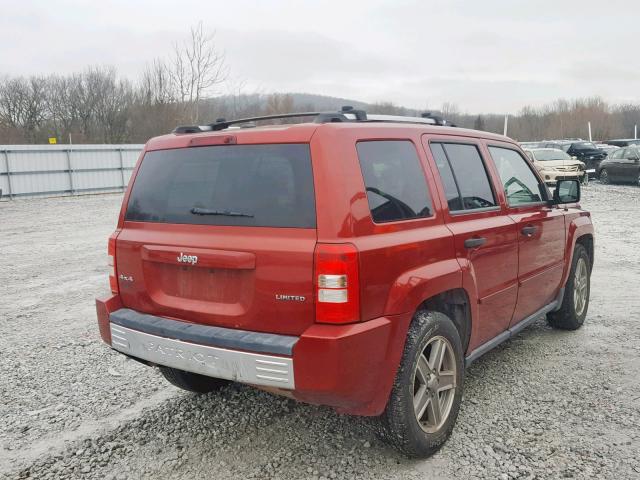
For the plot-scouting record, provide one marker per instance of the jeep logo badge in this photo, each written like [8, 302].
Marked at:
[192, 259]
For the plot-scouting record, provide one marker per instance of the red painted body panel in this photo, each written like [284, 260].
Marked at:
[401, 264]
[104, 306]
[234, 286]
[336, 365]
[541, 257]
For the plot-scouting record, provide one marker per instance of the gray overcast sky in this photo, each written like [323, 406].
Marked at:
[483, 55]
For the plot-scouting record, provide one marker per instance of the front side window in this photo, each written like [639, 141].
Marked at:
[520, 184]
[395, 182]
[469, 187]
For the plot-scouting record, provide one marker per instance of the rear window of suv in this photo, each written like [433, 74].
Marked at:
[243, 185]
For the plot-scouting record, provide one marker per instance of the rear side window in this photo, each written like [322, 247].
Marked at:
[395, 182]
[464, 176]
[520, 184]
[243, 185]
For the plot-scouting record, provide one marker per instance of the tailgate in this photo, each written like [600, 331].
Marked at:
[222, 236]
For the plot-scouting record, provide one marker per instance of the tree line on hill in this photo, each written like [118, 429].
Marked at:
[188, 87]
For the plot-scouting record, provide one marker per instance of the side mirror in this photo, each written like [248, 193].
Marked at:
[567, 191]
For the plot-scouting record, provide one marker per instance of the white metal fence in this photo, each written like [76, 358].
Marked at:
[30, 170]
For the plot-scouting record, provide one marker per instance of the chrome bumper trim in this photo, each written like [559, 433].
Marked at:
[239, 366]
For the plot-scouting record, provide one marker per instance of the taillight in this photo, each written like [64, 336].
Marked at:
[337, 283]
[111, 252]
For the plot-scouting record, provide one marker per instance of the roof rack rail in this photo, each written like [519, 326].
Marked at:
[346, 114]
[437, 119]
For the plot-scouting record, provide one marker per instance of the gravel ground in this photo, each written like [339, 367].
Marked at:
[547, 404]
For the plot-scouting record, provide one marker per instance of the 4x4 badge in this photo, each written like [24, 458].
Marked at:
[192, 259]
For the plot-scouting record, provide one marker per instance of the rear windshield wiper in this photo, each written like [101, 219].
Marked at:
[224, 213]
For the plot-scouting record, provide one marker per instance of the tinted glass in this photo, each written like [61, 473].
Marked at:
[395, 182]
[248, 185]
[632, 152]
[470, 176]
[520, 184]
[617, 153]
[446, 176]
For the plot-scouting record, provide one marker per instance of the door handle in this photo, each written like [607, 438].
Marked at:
[474, 242]
[529, 230]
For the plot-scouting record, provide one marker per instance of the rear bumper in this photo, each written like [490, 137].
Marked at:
[237, 365]
[348, 367]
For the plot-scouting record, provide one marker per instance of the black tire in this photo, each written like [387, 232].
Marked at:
[567, 318]
[399, 424]
[585, 179]
[604, 177]
[192, 382]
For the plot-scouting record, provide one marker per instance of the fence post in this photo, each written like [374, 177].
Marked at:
[68, 151]
[124, 185]
[6, 163]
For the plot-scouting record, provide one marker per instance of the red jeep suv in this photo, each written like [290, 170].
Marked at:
[355, 261]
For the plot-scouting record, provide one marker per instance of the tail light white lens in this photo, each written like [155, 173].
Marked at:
[111, 252]
[112, 265]
[337, 283]
[333, 296]
[332, 281]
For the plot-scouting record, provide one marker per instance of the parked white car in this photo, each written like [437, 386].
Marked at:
[554, 165]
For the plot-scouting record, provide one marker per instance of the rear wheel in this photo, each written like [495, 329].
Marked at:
[426, 395]
[575, 301]
[192, 382]
[604, 177]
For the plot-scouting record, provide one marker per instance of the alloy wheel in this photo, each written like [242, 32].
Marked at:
[434, 384]
[580, 287]
[604, 177]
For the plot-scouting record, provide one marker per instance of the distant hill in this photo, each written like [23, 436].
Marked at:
[325, 102]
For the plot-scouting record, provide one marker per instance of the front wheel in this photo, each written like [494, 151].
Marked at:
[575, 301]
[604, 177]
[427, 392]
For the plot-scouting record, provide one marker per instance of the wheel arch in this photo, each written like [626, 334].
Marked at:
[454, 304]
[586, 240]
[579, 231]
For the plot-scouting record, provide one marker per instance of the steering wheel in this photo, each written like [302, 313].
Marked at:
[404, 209]
[478, 201]
[523, 187]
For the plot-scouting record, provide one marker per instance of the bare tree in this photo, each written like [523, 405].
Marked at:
[195, 69]
[155, 85]
[22, 104]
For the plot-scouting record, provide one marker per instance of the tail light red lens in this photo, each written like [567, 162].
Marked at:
[111, 252]
[337, 283]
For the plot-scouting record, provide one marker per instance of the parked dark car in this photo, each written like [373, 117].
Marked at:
[622, 166]
[584, 151]
[624, 142]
